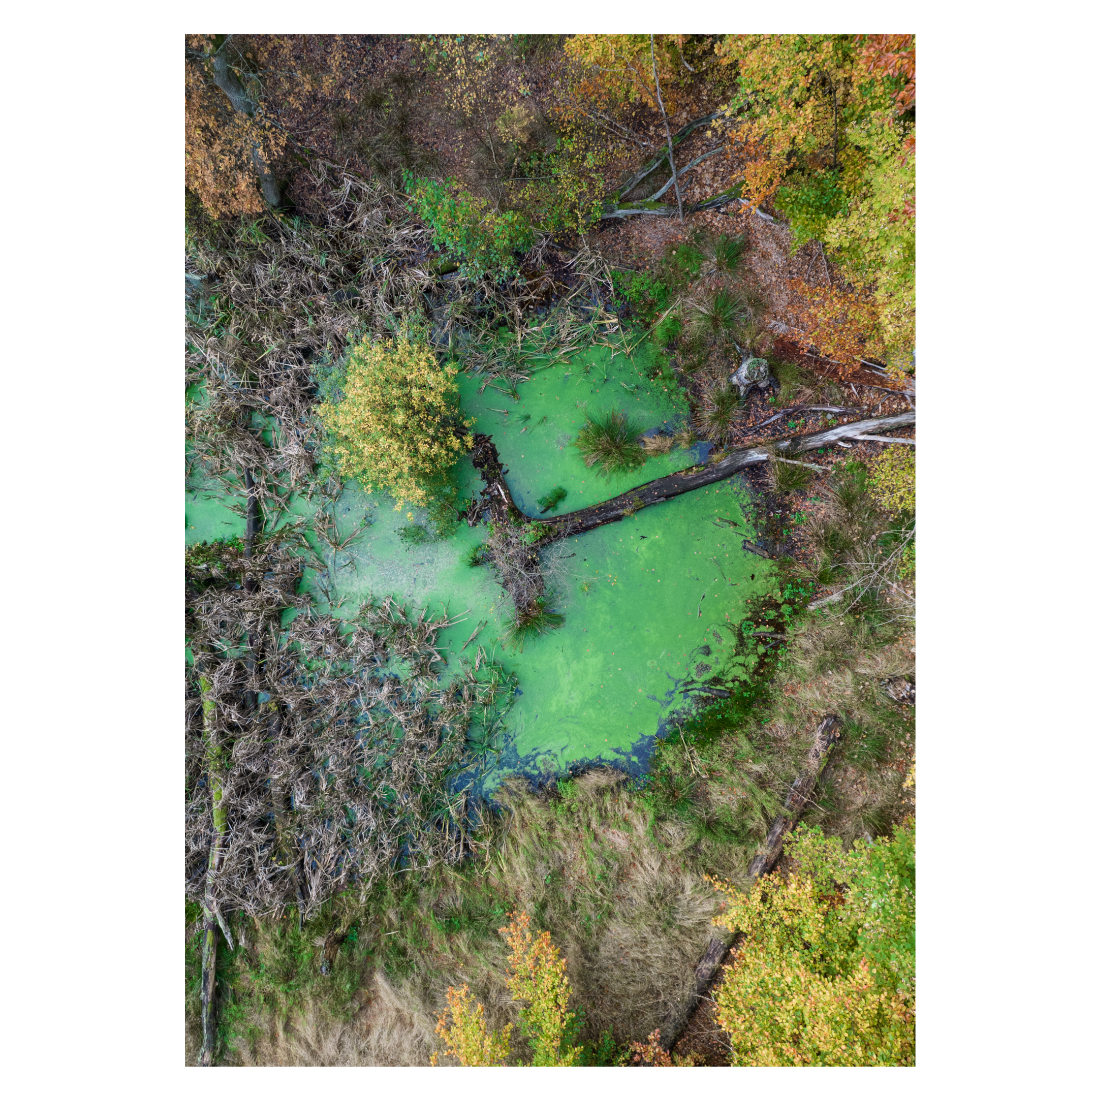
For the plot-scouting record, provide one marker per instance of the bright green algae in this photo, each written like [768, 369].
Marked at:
[647, 601]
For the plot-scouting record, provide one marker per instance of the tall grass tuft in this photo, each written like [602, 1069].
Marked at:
[728, 252]
[789, 477]
[550, 502]
[530, 622]
[717, 316]
[659, 444]
[719, 411]
[609, 441]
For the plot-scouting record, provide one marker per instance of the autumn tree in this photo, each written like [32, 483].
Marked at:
[825, 125]
[826, 973]
[243, 95]
[537, 980]
[396, 426]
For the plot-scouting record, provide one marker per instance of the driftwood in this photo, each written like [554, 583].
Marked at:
[718, 946]
[841, 410]
[668, 132]
[654, 163]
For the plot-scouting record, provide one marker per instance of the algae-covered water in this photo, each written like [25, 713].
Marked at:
[648, 602]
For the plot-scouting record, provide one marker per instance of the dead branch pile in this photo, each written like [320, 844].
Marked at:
[318, 757]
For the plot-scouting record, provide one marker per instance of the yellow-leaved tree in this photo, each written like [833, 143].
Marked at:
[537, 979]
[397, 425]
[826, 973]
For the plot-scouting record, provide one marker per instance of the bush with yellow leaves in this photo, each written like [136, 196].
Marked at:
[397, 426]
[536, 976]
[826, 974]
[894, 478]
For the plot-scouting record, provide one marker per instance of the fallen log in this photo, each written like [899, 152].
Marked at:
[718, 946]
[754, 549]
[826, 736]
[674, 485]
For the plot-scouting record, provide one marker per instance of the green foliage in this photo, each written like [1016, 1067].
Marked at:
[826, 975]
[609, 441]
[530, 622]
[414, 535]
[483, 240]
[552, 499]
[201, 554]
[683, 261]
[893, 475]
[810, 202]
[645, 293]
[565, 185]
[475, 555]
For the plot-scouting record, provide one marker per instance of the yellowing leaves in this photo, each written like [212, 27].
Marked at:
[398, 427]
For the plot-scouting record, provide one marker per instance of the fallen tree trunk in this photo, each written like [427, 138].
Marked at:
[825, 737]
[674, 485]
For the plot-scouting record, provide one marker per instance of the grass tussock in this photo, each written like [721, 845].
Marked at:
[609, 442]
[659, 444]
[788, 476]
[719, 412]
[528, 623]
[550, 502]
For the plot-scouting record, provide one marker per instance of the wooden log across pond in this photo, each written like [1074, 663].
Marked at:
[500, 502]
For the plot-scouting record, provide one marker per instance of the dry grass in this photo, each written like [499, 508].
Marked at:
[621, 902]
[659, 444]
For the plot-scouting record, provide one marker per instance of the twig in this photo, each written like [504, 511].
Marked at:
[884, 439]
[668, 132]
[795, 462]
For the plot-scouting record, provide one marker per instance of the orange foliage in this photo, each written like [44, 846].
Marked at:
[651, 1053]
[835, 324]
[893, 55]
[219, 142]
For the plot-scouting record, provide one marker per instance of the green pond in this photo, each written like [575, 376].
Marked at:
[646, 600]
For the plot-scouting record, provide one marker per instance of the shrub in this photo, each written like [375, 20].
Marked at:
[893, 478]
[610, 441]
[647, 294]
[536, 975]
[484, 240]
[826, 973]
[398, 427]
[468, 1040]
[810, 204]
